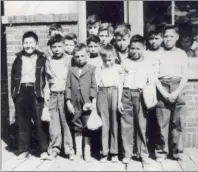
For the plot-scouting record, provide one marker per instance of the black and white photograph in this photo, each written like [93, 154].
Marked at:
[99, 85]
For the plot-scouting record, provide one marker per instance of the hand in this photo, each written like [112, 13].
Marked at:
[70, 107]
[173, 97]
[120, 108]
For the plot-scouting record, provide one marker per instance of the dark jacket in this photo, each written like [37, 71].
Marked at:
[86, 83]
[16, 74]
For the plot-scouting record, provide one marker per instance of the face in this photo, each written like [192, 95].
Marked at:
[93, 48]
[105, 37]
[136, 50]
[186, 42]
[29, 45]
[122, 42]
[55, 32]
[81, 57]
[108, 59]
[69, 46]
[57, 49]
[155, 41]
[93, 29]
[170, 38]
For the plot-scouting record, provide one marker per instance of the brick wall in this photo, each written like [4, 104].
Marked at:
[191, 119]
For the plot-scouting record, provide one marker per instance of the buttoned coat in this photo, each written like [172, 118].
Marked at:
[85, 83]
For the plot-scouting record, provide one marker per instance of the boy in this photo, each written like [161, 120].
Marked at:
[105, 33]
[70, 40]
[122, 40]
[93, 24]
[152, 55]
[133, 116]
[109, 79]
[27, 83]
[56, 74]
[80, 98]
[170, 82]
[53, 30]
[93, 43]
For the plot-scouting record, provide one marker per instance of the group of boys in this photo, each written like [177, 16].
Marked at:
[108, 74]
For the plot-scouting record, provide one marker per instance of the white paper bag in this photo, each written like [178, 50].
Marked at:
[94, 122]
[45, 114]
[149, 95]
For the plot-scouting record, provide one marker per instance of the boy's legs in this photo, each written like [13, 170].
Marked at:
[55, 126]
[37, 108]
[103, 110]
[113, 100]
[67, 138]
[140, 121]
[127, 127]
[163, 114]
[23, 120]
[177, 125]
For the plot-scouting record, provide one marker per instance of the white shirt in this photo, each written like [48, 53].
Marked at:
[172, 63]
[136, 73]
[97, 62]
[153, 58]
[107, 77]
[57, 71]
[28, 73]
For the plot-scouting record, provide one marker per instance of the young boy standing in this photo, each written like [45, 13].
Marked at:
[81, 99]
[109, 79]
[70, 40]
[27, 83]
[133, 117]
[105, 33]
[93, 24]
[171, 105]
[53, 30]
[56, 73]
[152, 55]
[122, 40]
[93, 43]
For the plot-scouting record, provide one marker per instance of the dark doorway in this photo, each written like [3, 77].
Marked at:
[108, 11]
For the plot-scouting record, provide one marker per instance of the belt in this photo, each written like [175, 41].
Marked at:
[111, 87]
[134, 90]
[57, 92]
[28, 84]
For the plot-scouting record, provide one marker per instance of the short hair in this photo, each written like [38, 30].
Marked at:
[55, 26]
[154, 30]
[30, 34]
[106, 49]
[170, 27]
[93, 38]
[122, 30]
[138, 38]
[54, 39]
[106, 27]
[79, 47]
[72, 37]
[92, 19]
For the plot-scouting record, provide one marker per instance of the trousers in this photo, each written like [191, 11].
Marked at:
[107, 101]
[170, 119]
[29, 108]
[59, 130]
[133, 121]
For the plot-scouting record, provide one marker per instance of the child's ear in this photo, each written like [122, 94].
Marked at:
[37, 44]
[177, 37]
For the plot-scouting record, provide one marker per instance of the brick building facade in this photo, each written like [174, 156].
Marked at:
[13, 27]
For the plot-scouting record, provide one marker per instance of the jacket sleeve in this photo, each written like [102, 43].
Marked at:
[93, 88]
[13, 81]
[68, 86]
